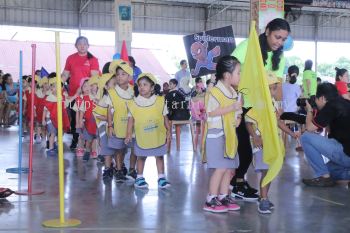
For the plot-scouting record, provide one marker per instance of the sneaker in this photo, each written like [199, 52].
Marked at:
[124, 169]
[100, 159]
[119, 176]
[73, 145]
[215, 206]
[51, 152]
[141, 183]
[86, 156]
[264, 207]
[107, 173]
[272, 206]
[242, 192]
[319, 182]
[229, 203]
[132, 174]
[163, 183]
[94, 155]
[47, 144]
[36, 139]
[79, 152]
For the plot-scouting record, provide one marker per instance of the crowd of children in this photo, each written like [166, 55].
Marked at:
[114, 117]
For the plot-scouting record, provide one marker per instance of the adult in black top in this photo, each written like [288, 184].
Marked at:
[334, 113]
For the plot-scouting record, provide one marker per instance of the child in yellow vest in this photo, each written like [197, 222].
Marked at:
[265, 206]
[220, 140]
[118, 117]
[148, 118]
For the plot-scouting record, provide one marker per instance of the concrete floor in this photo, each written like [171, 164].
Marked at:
[121, 208]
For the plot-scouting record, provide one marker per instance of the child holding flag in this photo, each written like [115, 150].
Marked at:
[148, 118]
[265, 206]
[220, 140]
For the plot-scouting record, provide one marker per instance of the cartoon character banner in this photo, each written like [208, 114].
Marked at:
[205, 48]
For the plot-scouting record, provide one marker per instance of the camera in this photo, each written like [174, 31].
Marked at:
[301, 102]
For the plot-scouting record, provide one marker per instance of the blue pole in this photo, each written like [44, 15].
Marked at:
[20, 117]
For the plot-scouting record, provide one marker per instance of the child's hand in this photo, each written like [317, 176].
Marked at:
[257, 141]
[43, 123]
[296, 135]
[127, 139]
[238, 120]
[110, 131]
[237, 106]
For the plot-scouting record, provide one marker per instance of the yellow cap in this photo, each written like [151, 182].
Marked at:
[122, 64]
[149, 75]
[94, 80]
[52, 80]
[42, 81]
[104, 79]
[272, 78]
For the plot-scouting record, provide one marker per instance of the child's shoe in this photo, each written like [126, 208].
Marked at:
[132, 174]
[51, 152]
[86, 156]
[80, 152]
[163, 183]
[229, 203]
[107, 174]
[94, 155]
[264, 206]
[215, 206]
[119, 176]
[141, 183]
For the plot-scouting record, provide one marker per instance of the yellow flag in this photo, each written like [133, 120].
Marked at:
[254, 84]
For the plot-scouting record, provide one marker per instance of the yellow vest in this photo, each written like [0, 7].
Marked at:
[149, 126]
[99, 111]
[120, 116]
[228, 122]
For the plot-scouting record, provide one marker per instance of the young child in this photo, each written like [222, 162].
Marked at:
[41, 92]
[50, 116]
[87, 121]
[108, 82]
[151, 125]
[198, 109]
[220, 140]
[118, 117]
[265, 206]
[26, 103]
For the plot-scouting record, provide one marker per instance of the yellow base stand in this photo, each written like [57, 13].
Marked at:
[56, 223]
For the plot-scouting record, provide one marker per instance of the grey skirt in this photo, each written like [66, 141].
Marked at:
[159, 151]
[87, 136]
[79, 130]
[105, 150]
[258, 162]
[215, 151]
[51, 128]
[116, 143]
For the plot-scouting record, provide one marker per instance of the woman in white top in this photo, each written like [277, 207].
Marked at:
[291, 90]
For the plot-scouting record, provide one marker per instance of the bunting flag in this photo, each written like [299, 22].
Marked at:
[124, 52]
[254, 84]
[43, 72]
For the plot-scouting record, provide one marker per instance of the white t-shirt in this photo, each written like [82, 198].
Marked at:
[291, 92]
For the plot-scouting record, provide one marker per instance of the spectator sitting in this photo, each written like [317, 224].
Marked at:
[334, 113]
[176, 103]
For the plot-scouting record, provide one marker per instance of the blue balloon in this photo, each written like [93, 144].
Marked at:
[116, 56]
[288, 44]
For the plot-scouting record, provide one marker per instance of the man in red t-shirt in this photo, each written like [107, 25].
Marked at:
[78, 66]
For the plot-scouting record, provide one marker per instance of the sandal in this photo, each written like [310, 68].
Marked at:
[5, 192]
